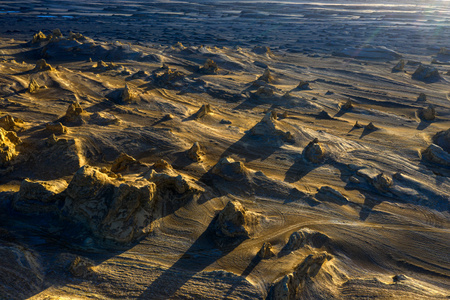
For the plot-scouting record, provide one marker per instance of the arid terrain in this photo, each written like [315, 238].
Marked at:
[224, 149]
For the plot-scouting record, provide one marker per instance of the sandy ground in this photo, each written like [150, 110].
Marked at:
[375, 199]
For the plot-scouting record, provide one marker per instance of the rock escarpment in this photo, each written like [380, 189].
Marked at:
[8, 143]
[114, 210]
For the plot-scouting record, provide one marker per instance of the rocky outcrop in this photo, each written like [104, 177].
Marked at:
[266, 251]
[76, 36]
[103, 66]
[265, 91]
[8, 143]
[437, 154]
[422, 97]
[128, 94]
[166, 76]
[39, 37]
[234, 221]
[304, 237]
[39, 196]
[427, 114]
[33, 86]
[371, 126]
[383, 182]
[314, 152]
[123, 162]
[57, 33]
[266, 76]
[357, 125]
[229, 169]
[167, 179]
[303, 85]
[209, 67]
[56, 128]
[269, 126]
[196, 153]
[399, 66]
[74, 113]
[111, 209]
[81, 267]
[346, 105]
[291, 286]
[327, 193]
[426, 73]
[10, 123]
[262, 50]
[203, 111]
[442, 139]
[42, 65]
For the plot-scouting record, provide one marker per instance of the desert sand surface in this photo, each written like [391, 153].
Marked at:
[224, 149]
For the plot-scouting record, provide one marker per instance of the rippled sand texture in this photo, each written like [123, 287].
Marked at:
[209, 150]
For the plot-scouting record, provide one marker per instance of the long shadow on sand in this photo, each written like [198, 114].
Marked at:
[298, 170]
[202, 253]
[252, 265]
[51, 238]
[423, 125]
[253, 147]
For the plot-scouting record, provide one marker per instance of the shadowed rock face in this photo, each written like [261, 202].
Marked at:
[114, 210]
